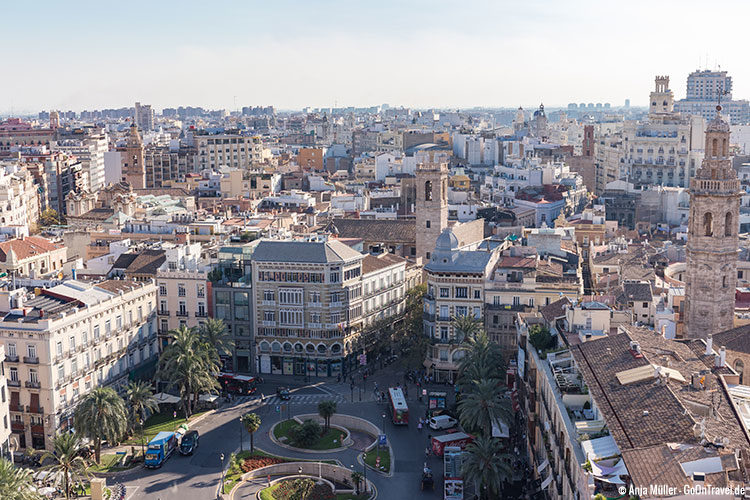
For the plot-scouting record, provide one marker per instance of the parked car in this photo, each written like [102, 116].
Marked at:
[189, 443]
[440, 422]
[283, 393]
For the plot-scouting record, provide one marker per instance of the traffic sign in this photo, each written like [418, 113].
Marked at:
[278, 408]
[382, 440]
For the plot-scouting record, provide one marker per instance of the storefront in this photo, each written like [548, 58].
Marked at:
[301, 366]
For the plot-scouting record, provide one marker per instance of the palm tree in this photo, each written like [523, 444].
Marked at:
[215, 333]
[69, 465]
[466, 327]
[486, 466]
[251, 421]
[101, 415]
[16, 483]
[482, 406]
[190, 364]
[357, 479]
[327, 409]
[482, 360]
[141, 400]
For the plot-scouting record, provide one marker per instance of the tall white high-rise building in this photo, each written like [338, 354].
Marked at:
[144, 116]
[703, 90]
[90, 152]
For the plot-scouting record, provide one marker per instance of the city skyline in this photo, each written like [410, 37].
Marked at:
[422, 55]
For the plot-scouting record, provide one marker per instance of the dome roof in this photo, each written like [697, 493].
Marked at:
[540, 111]
[446, 242]
[718, 124]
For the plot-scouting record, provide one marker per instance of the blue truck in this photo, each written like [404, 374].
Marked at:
[160, 448]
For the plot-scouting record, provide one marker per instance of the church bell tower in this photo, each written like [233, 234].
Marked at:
[711, 273]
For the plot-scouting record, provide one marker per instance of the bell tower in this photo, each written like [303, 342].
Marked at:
[131, 159]
[431, 206]
[661, 99]
[711, 274]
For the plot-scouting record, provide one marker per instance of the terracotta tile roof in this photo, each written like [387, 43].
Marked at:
[27, 247]
[639, 414]
[373, 263]
[386, 231]
[554, 310]
[519, 262]
[736, 339]
[146, 262]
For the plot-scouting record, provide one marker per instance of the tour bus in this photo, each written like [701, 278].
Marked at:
[238, 384]
[399, 410]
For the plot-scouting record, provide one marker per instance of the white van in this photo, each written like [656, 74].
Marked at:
[442, 422]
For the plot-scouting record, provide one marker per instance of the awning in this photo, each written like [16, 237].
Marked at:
[163, 397]
[209, 398]
[598, 448]
[500, 429]
[542, 466]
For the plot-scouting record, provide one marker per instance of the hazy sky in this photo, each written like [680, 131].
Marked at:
[294, 53]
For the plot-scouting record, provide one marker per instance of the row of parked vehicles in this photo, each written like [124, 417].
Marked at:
[161, 447]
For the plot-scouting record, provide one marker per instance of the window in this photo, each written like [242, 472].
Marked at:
[164, 325]
[200, 291]
[291, 317]
[336, 317]
[118, 321]
[708, 229]
[182, 308]
[427, 224]
[72, 342]
[335, 276]
[531, 301]
[269, 315]
[443, 334]
[728, 229]
[445, 293]
[314, 317]
[180, 289]
[96, 333]
[162, 289]
[59, 348]
[12, 348]
[268, 295]
[13, 374]
[477, 312]
[461, 311]
[290, 296]
[645, 304]
[461, 292]
[315, 297]
[444, 314]
[516, 301]
[108, 327]
[33, 376]
[32, 350]
[201, 308]
[477, 294]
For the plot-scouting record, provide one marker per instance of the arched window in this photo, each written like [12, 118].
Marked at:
[428, 191]
[739, 367]
[715, 147]
[728, 229]
[708, 223]
[724, 148]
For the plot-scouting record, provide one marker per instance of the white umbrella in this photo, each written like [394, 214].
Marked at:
[46, 491]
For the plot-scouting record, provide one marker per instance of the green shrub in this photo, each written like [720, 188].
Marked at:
[306, 434]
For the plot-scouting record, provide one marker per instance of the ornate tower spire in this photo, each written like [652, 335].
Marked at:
[712, 237]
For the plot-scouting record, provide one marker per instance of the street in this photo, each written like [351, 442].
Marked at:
[198, 476]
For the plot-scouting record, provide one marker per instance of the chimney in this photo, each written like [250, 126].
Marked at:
[709, 345]
[721, 358]
[664, 331]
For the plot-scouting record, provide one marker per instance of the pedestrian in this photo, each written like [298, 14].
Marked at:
[174, 414]
[419, 426]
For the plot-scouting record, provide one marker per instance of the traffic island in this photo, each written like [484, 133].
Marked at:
[308, 435]
[379, 459]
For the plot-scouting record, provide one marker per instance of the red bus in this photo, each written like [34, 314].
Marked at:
[399, 410]
[237, 384]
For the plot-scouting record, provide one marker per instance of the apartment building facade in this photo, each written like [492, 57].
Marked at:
[184, 289]
[67, 340]
[231, 150]
[308, 303]
[5, 432]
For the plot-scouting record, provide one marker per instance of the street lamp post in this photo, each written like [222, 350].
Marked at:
[383, 434]
[364, 469]
[221, 472]
[351, 386]
[143, 446]
[241, 449]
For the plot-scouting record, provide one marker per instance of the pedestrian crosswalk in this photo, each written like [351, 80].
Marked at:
[295, 399]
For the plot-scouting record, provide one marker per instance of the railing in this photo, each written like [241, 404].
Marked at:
[30, 384]
[181, 313]
[32, 360]
[32, 409]
[16, 426]
[163, 312]
[18, 408]
[14, 383]
[199, 314]
[11, 358]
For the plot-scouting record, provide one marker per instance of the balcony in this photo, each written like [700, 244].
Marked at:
[31, 360]
[18, 408]
[163, 312]
[11, 358]
[202, 314]
[16, 426]
[31, 384]
[14, 383]
[35, 409]
[183, 314]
